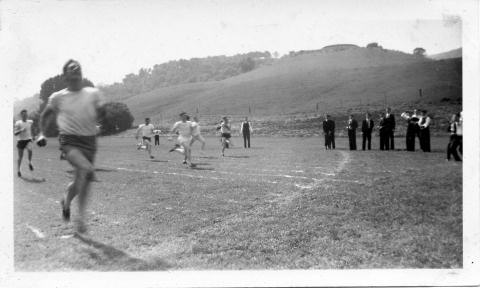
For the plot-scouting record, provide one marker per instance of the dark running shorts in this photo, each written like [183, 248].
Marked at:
[86, 144]
[226, 135]
[22, 144]
[147, 138]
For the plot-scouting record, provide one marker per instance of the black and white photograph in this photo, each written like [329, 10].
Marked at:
[240, 143]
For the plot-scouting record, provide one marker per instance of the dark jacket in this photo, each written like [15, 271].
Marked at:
[328, 126]
[390, 122]
[367, 127]
[353, 125]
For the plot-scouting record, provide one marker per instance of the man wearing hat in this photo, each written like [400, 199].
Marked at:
[77, 110]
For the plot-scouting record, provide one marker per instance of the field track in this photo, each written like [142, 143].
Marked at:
[284, 203]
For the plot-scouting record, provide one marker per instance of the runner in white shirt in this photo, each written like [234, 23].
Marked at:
[146, 132]
[77, 110]
[196, 134]
[184, 129]
[23, 131]
[225, 130]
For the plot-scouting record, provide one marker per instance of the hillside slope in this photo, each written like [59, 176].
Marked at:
[456, 53]
[359, 78]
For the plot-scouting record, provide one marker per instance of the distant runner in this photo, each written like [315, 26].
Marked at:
[146, 131]
[23, 131]
[184, 129]
[196, 134]
[225, 130]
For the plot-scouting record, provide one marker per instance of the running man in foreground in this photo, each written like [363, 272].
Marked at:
[23, 131]
[77, 109]
[184, 129]
[196, 134]
[147, 132]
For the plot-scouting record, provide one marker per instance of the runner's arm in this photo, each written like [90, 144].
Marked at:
[17, 130]
[47, 116]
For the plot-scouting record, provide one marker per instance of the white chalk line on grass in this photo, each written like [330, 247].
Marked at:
[164, 173]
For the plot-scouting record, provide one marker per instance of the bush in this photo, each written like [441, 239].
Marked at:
[116, 118]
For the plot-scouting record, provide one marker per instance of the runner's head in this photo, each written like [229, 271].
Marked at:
[388, 110]
[72, 73]
[195, 118]
[183, 116]
[24, 114]
[147, 120]
[246, 119]
[225, 119]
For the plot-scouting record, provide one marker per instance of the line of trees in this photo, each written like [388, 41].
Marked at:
[186, 71]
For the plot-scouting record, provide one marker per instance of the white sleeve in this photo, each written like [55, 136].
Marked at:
[17, 127]
[427, 122]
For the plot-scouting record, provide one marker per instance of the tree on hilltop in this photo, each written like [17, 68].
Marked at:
[419, 51]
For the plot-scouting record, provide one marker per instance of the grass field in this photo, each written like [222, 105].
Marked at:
[284, 204]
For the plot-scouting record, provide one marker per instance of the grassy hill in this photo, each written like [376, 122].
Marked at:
[357, 79]
[456, 53]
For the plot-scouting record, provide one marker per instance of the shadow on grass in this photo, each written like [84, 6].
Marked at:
[33, 180]
[155, 160]
[96, 170]
[115, 259]
[208, 157]
[202, 168]
[203, 163]
[237, 156]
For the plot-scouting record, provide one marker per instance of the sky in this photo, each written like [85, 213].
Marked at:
[112, 38]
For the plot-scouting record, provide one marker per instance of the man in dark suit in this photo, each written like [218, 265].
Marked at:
[390, 128]
[329, 132]
[352, 128]
[367, 128]
[424, 125]
[246, 130]
[382, 128]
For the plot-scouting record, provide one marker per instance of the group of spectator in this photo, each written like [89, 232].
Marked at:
[418, 126]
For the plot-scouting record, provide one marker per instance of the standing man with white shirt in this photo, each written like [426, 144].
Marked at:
[77, 111]
[23, 131]
[184, 129]
[146, 130]
[157, 136]
[246, 129]
[424, 125]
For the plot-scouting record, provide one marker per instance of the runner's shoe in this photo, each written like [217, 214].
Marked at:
[174, 148]
[19, 174]
[184, 162]
[30, 166]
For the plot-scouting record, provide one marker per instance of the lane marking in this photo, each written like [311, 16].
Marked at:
[36, 231]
